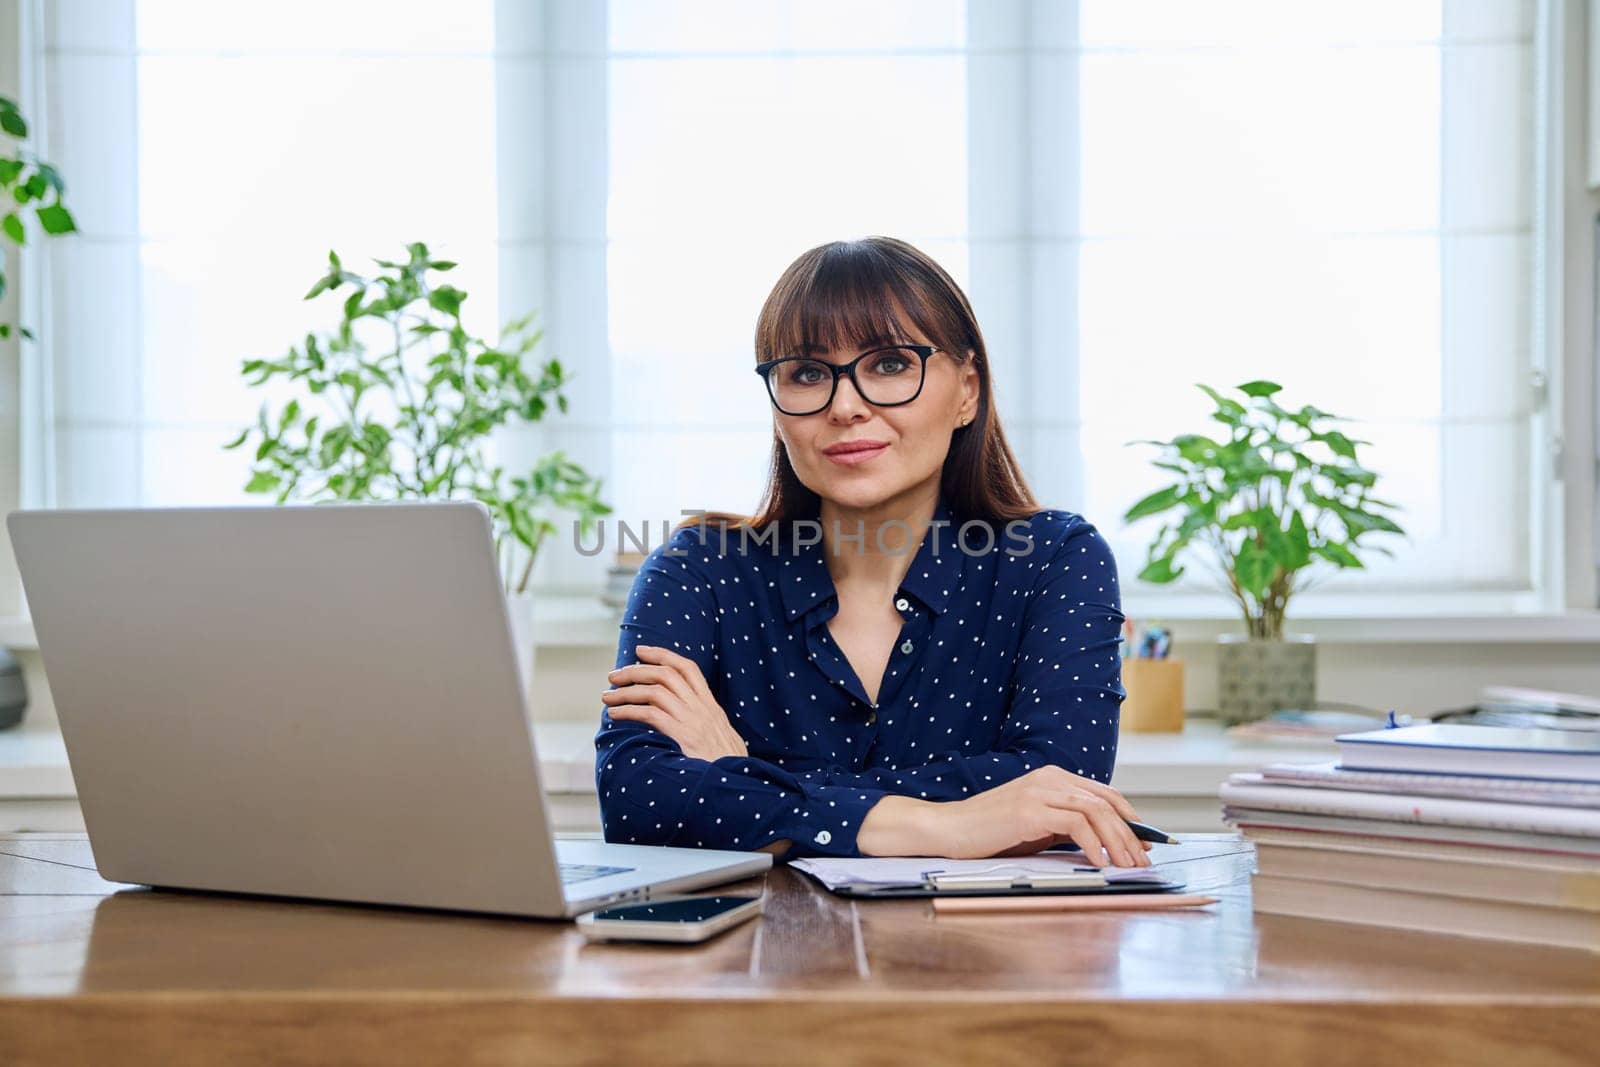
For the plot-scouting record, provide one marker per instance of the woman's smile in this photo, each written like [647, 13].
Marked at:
[856, 457]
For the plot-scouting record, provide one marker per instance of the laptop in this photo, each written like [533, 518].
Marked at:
[314, 701]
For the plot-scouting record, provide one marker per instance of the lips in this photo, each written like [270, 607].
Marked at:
[846, 447]
[855, 453]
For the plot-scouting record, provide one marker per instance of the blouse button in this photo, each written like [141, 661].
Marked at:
[872, 717]
[906, 647]
[902, 603]
[823, 837]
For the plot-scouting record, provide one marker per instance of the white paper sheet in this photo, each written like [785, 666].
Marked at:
[910, 870]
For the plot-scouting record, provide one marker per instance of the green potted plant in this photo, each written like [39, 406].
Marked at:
[398, 402]
[28, 180]
[25, 179]
[1279, 495]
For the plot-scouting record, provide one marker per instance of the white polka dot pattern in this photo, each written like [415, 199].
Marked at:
[1012, 665]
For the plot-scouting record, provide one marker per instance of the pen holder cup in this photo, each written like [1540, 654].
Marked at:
[1155, 695]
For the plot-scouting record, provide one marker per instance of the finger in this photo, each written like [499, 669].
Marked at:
[1120, 843]
[1108, 821]
[645, 713]
[645, 674]
[1075, 824]
[657, 674]
[687, 668]
[654, 695]
[1115, 834]
[654, 718]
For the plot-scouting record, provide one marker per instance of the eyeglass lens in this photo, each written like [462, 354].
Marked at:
[888, 376]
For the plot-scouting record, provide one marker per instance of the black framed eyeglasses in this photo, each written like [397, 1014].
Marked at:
[885, 378]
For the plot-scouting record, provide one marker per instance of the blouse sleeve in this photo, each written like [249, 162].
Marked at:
[1066, 690]
[651, 793]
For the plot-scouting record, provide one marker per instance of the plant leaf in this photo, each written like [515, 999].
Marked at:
[1156, 502]
[53, 178]
[56, 219]
[262, 482]
[1160, 571]
[1337, 553]
[1338, 442]
[1254, 568]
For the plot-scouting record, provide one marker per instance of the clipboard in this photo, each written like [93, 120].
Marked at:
[909, 876]
[1001, 882]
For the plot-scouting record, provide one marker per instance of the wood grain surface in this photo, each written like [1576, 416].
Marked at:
[95, 973]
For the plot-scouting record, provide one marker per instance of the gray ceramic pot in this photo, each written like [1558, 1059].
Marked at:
[13, 694]
[1257, 678]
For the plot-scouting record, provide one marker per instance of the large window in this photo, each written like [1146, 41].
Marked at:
[1340, 197]
[1138, 197]
[737, 142]
[215, 154]
[1336, 197]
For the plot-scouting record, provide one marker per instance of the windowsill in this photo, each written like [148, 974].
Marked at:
[560, 620]
[33, 760]
[1575, 627]
[33, 764]
[567, 620]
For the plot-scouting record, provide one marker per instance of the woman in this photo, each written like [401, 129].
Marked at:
[901, 654]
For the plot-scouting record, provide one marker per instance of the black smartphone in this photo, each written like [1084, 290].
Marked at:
[681, 919]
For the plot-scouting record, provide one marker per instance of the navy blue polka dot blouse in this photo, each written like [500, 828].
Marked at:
[1006, 661]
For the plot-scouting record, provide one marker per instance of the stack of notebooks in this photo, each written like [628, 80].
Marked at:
[1481, 831]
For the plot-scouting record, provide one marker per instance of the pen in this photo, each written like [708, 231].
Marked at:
[1145, 832]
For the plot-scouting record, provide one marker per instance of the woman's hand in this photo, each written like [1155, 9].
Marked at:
[668, 691]
[1044, 807]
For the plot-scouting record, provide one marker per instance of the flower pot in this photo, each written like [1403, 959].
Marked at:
[13, 694]
[523, 639]
[1256, 678]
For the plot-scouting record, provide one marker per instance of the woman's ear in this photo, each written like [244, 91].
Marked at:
[970, 387]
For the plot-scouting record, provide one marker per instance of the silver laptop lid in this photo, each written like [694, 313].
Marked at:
[315, 700]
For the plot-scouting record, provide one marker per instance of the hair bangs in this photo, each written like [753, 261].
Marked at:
[845, 298]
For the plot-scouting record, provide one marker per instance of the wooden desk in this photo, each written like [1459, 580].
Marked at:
[91, 973]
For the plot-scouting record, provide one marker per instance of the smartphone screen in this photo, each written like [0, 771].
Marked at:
[697, 909]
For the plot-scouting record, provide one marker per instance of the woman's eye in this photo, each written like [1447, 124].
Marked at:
[805, 375]
[889, 365]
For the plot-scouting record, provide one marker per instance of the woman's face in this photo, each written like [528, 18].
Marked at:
[915, 437]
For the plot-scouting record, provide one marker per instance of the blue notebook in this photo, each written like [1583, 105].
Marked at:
[1491, 751]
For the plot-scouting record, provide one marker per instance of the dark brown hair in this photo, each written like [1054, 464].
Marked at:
[848, 294]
